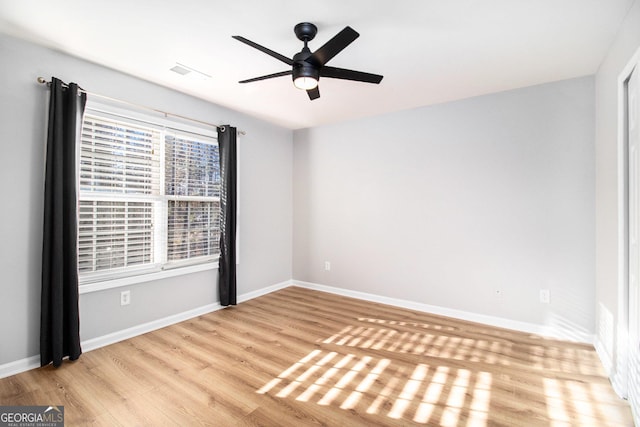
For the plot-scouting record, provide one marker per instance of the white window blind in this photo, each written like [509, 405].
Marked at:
[119, 158]
[192, 184]
[192, 166]
[193, 229]
[114, 234]
[149, 195]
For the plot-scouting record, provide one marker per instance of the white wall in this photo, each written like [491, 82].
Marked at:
[608, 168]
[265, 201]
[473, 205]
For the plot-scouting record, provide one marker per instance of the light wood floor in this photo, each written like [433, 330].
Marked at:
[300, 357]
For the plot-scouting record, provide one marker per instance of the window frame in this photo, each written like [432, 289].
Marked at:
[98, 281]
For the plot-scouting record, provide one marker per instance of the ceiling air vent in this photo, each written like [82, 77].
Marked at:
[180, 69]
[183, 70]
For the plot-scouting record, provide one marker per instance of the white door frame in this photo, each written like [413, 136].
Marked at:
[620, 378]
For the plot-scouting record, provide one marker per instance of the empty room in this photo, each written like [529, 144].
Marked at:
[335, 213]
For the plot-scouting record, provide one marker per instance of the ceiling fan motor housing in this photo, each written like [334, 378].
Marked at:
[302, 68]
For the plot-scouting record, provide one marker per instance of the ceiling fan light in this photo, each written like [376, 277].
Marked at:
[305, 83]
[304, 75]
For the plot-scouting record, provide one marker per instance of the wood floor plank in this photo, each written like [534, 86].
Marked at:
[298, 357]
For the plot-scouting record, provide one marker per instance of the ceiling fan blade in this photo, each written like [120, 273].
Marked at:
[333, 47]
[344, 74]
[269, 52]
[314, 93]
[268, 76]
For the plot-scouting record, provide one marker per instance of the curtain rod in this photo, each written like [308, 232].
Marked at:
[44, 81]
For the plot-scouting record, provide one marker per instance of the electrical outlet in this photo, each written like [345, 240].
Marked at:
[327, 266]
[125, 297]
[545, 296]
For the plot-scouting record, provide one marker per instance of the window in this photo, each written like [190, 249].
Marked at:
[149, 196]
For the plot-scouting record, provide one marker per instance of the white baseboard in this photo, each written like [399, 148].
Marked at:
[619, 387]
[12, 368]
[264, 291]
[500, 322]
[33, 362]
[115, 337]
[604, 356]
[112, 338]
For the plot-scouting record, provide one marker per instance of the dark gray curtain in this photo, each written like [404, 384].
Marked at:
[59, 315]
[228, 174]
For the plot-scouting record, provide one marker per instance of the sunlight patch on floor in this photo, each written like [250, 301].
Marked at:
[432, 393]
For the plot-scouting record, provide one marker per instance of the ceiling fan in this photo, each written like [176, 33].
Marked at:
[308, 67]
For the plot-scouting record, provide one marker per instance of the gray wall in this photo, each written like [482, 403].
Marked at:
[473, 205]
[265, 219]
[608, 168]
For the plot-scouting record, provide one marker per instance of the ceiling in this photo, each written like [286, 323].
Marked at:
[429, 51]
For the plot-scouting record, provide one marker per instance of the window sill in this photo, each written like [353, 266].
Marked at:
[142, 278]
